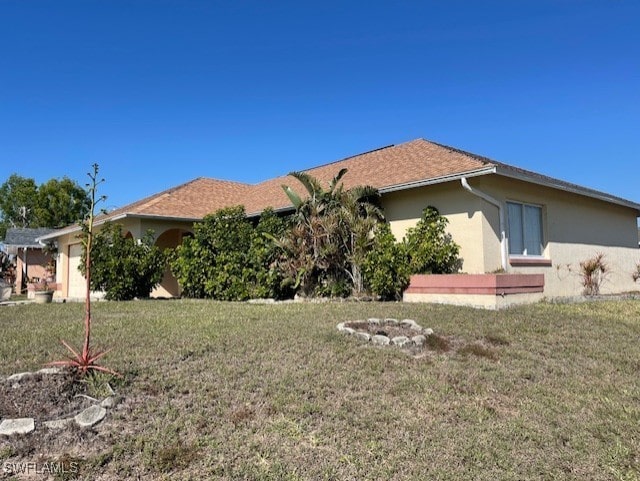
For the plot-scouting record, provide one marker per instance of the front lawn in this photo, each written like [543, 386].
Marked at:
[240, 391]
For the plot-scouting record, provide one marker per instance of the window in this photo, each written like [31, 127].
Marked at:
[525, 229]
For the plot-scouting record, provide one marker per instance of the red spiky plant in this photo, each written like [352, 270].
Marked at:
[87, 360]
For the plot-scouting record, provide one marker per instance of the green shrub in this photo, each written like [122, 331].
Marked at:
[228, 259]
[264, 278]
[211, 264]
[122, 267]
[386, 265]
[430, 248]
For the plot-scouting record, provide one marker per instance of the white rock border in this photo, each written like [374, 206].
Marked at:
[85, 419]
[403, 342]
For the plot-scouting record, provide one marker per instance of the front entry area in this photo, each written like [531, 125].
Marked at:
[76, 282]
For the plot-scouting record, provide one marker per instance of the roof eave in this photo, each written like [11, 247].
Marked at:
[438, 180]
[277, 210]
[21, 246]
[153, 216]
[408, 185]
[574, 189]
[77, 228]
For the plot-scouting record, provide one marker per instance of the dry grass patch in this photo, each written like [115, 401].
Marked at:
[237, 391]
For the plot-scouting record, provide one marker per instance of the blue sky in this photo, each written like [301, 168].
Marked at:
[159, 92]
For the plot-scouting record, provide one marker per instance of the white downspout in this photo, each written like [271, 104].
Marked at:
[503, 234]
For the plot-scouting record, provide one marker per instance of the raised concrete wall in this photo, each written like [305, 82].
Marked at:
[487, 291]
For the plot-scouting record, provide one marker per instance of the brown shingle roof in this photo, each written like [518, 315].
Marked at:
[192, 200]
[396, 165]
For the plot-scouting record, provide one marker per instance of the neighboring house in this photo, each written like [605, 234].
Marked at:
[504, 218]
[32, 259]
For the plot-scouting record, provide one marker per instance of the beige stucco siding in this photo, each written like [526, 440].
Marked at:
[166, 234]
[466, 225]
[575, 228]
[66, 247]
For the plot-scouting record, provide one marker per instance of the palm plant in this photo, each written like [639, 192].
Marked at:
[359, 213]
[332, 229]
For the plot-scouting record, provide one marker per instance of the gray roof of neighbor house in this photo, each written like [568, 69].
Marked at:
[395, 167]
[25, 237]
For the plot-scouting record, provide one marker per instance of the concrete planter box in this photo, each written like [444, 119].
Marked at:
[43, 297]
[32, 289]
[489, 291]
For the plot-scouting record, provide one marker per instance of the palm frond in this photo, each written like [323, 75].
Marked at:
[293, 197]
[309, 182]
[336, 179]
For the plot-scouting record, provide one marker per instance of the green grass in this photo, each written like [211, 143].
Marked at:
[270, 392]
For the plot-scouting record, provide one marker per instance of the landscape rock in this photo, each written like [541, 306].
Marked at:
[20, 376]
[110, 402]
[380, 340]
[419, 340]
[363, 335]
[50, 370]
[17, 426]
[58, 423]
[410, 323]
[90, 416]
[401, 341]
[418, 337]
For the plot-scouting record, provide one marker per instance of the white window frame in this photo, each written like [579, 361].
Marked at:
[526, 255]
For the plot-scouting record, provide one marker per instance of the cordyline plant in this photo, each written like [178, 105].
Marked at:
[593, 272]
[86, 360]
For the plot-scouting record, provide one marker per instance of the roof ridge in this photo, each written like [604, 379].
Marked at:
[481, 158]
[339, 160]
[220, 180]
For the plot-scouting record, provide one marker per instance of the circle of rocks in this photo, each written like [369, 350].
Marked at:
[418, 340]
[86, 418]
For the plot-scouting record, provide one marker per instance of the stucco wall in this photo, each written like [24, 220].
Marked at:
[403, 210]
[168, 235]
[137, 228]
[575, 228]
[35, 267]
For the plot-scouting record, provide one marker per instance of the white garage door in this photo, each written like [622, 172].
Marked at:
[76, 281]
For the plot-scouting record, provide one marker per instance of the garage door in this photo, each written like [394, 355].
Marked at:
[76, 281]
